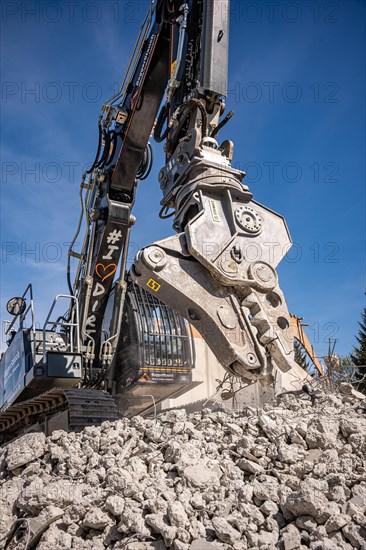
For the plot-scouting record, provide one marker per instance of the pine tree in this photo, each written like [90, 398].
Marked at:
[359, 353]
[300, 356]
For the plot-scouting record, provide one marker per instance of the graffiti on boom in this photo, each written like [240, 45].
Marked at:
[103, 277]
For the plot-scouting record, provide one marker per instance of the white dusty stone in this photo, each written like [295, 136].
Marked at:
[250, 466]
[335, 523]
[25, 449]
[311, 502]
[291, 537]
[156, 521]
[96, 519]
[115, 505]
[201, 476]
[224, 531]
[177, 514]
[355, 534]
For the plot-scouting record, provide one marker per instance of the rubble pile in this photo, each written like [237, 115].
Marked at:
[287, 476]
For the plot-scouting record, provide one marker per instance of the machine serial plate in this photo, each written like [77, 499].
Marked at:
[214, 211]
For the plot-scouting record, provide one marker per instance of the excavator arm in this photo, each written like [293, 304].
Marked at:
[301, 336]
[124, 157]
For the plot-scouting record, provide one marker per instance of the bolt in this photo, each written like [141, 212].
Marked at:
[154, 258]
[156, 255]
[193, 315]
[251, 358]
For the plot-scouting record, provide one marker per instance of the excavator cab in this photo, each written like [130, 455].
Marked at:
[156, 341]
[155, 354]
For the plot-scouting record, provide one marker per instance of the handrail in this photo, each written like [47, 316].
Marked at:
[63, 323]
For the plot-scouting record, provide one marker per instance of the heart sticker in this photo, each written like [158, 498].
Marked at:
[108, 270]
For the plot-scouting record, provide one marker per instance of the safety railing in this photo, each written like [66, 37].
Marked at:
[72, 325]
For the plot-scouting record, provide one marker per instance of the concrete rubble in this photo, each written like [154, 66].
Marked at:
[286, 476]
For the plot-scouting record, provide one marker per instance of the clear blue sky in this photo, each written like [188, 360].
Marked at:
[297, 85]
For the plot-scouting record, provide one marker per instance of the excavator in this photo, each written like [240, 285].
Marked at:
[124, 338]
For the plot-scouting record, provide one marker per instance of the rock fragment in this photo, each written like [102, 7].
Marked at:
[27, 448]
[96, 519]
[291, 537]
[200, 475]
[158, 525]
[115, 505]
[224, 531]
[177, 514]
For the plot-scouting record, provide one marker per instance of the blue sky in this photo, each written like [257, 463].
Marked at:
[297, 85]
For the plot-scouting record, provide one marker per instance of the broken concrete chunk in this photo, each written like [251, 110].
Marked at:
[291, 537]
[177, 514]
[313, 455]
[335, 523]
[310, 502]
[115, 505]
[156, 521]
[224, 531]
[355, 534]
[55, 538]
[250, 466]
[96, 519]
[269, 508]
[322, 433]
[201, 476]
[307, 523]
[27, 448]
[268, 489]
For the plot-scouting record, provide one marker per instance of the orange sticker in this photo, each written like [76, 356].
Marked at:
[108, 271]
[172, 67]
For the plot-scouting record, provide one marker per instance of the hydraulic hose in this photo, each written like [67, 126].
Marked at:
[158, 136]
[113, 141]
[222, 124]
[105, 155]
[98, 150]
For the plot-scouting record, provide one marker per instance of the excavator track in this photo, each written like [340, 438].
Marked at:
[86, 407]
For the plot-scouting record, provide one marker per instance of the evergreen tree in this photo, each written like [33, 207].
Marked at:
[300, 356]
[359, 353]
